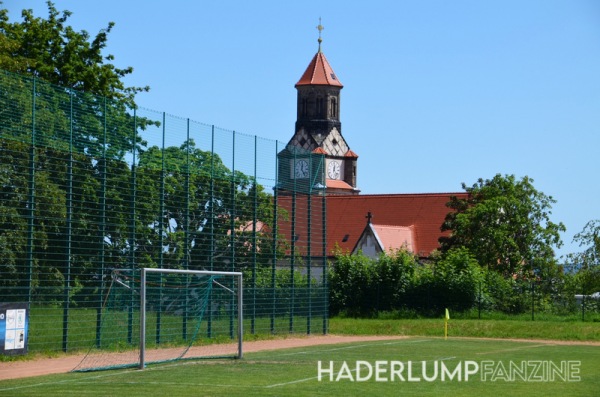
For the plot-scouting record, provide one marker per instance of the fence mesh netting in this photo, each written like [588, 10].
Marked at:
[90, 188]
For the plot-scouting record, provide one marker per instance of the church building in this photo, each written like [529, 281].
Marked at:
[318, 161]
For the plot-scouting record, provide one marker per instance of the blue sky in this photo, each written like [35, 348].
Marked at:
[435, 92]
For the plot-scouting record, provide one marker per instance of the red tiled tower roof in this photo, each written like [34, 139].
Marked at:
[351, 154]
[319, 72]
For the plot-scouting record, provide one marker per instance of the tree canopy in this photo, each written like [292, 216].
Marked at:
[587, 262]
[505, 223]
[589, 238]
[207, 201]
[53, 51]
[86, 100]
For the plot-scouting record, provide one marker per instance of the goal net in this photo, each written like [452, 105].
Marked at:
[158, 315]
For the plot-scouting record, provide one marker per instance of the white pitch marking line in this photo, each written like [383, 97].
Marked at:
[64, 381]
[513, 349]
[291, 382]
[353, 347]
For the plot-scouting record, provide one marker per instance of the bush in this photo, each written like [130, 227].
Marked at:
[506, 294]
[397, 283]
[361, 286]
[452, 282]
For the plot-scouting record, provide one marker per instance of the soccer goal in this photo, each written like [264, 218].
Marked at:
[158, 315]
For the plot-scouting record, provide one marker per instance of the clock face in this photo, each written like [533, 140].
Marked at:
[333, 170]
[301, 169]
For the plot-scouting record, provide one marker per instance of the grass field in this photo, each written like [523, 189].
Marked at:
[555, 329]
[294, 372]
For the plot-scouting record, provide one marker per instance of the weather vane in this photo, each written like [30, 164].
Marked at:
[320, 29]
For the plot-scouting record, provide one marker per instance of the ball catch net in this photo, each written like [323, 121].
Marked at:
[159, 315]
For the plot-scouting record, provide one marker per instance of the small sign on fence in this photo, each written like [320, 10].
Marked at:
[14, 323]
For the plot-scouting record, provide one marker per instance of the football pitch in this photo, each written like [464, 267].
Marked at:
[410, 366]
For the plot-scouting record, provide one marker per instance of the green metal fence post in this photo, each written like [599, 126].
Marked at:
[232, 234]
[161, 230]
[103, 195]
[309, 250]
[254, 248]
[31, 198]
[69, 230]
[324, 242]
[275, 237]
[293, 239]
[309, 256]
[582, 303]
[186, 241]
[532, 300]
[211, 222]
[133, 206]
[479, 302]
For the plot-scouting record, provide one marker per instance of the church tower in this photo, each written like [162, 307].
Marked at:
[319, 131]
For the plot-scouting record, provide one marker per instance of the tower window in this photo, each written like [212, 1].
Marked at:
[333, 108]
[320, 107]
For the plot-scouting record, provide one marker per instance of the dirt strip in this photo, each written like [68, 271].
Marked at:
[57, 365]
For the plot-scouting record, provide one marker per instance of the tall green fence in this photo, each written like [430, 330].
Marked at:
[88, 186]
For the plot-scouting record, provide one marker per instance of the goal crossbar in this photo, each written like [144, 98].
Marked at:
[145, 271]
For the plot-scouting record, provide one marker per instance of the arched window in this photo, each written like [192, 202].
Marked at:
[320, 107]
[333, 113]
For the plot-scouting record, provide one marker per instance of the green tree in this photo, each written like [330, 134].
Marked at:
[198, 195]
[505, 223]
[47, 266]
[91, 88]
[13, 222]
[53, 51]
[589, 238]
[586, 264]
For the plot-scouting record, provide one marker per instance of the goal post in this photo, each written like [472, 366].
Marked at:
[153, 315]
[215, 276]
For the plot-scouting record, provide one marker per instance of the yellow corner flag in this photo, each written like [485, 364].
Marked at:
[446, 324]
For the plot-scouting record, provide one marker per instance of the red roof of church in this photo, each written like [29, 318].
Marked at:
[346, 219]
[319, 72]
[425, 213]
